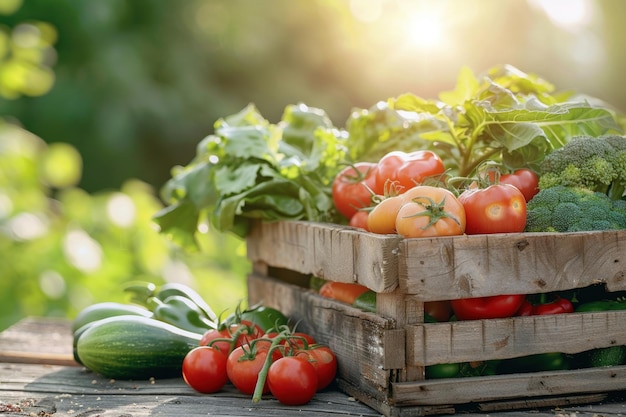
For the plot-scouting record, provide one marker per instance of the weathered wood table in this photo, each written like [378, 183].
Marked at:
[38, 377]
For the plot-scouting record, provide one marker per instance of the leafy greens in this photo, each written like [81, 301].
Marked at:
[250, 169]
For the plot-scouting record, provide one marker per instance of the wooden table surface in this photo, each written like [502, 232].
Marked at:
[38, 377]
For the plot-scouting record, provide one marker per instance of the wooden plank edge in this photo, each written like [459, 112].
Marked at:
[38, 358]
[509, 387]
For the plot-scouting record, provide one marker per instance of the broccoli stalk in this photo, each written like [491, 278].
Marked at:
[595, 163]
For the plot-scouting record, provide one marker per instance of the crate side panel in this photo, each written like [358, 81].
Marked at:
[482, 389]
[476, 340]
[358, 339]
[527, 263]
[329, 251]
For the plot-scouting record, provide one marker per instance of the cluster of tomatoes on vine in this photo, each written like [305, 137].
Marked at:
[287, 364]
[394, 196]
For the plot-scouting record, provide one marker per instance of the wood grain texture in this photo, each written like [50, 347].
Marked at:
[517, 263]
[468, 341]
[328, 251]
[445, 268]
[483, 389]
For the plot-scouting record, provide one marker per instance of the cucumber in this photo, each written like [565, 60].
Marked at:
[608, 356]
[100, 311]
[134, 347]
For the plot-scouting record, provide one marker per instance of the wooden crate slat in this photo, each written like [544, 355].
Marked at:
[482, 389]
[467, 341]
[527, 263]
[328, 251]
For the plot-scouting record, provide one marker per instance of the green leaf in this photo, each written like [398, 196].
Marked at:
[466, 88]
[233, 180]
[179, 222]
[192, 183]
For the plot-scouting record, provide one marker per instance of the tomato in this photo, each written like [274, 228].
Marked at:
[430, 211]
[325, 363]
[406, 170]
[494, 307]
[342, 291]
[359, 220]
[262, 344]
[525, 180]
[499, 208]
[352, 188]
[292, 380]
[557, 306]
[243, 368]
[438, 310]
[382, 218]
[237, 333]
[204, 369]
[298, 341]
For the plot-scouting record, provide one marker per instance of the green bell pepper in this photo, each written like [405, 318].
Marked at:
[183, 313]
[267, 318]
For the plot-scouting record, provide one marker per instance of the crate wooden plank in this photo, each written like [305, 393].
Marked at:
[328, 251]
[482, 389]
[477, 340]
[528, 263]
[366, 345]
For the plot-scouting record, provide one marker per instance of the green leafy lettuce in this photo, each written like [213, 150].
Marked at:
[250, 169]
[505, 115]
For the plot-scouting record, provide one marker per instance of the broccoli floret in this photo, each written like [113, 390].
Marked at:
[596, 163]
[573, 209]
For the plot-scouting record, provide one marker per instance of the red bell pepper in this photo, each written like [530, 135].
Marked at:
[494, 307]
[558, 306]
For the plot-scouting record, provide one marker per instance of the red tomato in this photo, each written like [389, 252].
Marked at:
[292, 380]
[352, 188]
[557, 306]
[297, 342]
[261, 344]
[406, 170]
[325, 363]
[524, 180]
[499, 208]
[495, 307]
[342, 291]
[204, 369]
[237, 335]
[382, 218]
[243, 368]
[430, 211]
[359, 220]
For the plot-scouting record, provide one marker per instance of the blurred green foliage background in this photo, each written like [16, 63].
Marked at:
[100, 99]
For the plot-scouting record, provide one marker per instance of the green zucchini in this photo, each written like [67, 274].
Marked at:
[134, 347]
[103, 310]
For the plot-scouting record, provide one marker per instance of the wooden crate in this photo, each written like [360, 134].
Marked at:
[382, 355]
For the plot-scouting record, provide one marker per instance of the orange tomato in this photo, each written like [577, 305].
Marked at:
[430, 211]
[382, 218]
[342, 291]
